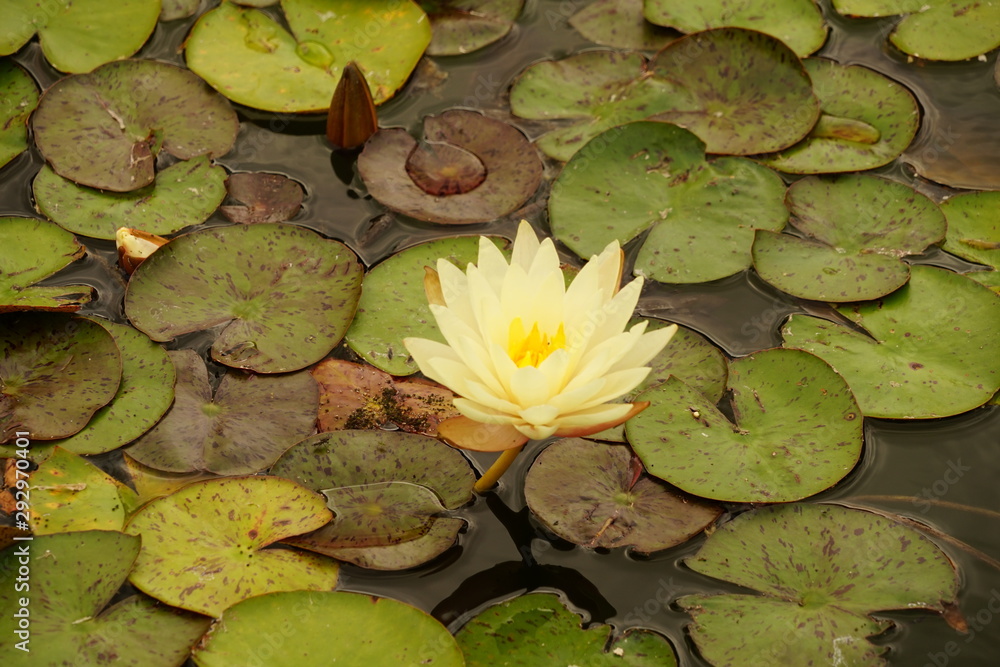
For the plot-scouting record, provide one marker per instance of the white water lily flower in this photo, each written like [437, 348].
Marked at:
[529, 357]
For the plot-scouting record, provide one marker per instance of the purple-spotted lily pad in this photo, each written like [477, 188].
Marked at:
[621, 24]
[252, 59]
[183, 194]
[935, 29]
[282, 295]
[44, 250]
[78, 35]
[540, 630]
[821, 569]
[104, 129]
[974, 233]
[68, 493]
[74, 577]
[595, 494]
[470, 168]
[327, 628]
[463, 26]
[265, 198]
[204, 546]
[931, 348]
[55, 373]
[372, 459]
[375, 515]
[797, 23]
[242, 428]
[701, 214]
[867, 121]
[797, 431]
[746, 91]
[856, 230]
[18, 98]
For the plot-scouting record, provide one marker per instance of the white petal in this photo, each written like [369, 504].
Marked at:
[575, 399]
[618, 311]
[529, 387]
[454, 285]
[540, 415]
[493, 327]
[604, 413]
[536, 432]
[646, 348]
[425, 351]
[613, 386]
[492, 264]
[556, 369]
[463, 382]
[481, 413]
[525, 246]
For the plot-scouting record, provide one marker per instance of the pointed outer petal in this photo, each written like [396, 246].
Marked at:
[599, 361]
[545, 301]
[492, 264]
[529, 387]
[648, 346]
[465, 433]
[505, 368]
[463, 382]
[454, 329]
[540, 416]
[533, 432]
[526, 246]
[576, 399]
[583, 312]
[618, 311]
[570, 429]
[485, 414]
[485, 302]
[609, 387]
[475, 357]
[454, 285]
[545, 261]
[516, 296]
[424, 351]
[432, 287]
[556, 369]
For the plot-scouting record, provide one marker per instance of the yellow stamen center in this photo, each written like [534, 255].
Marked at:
[533, 347]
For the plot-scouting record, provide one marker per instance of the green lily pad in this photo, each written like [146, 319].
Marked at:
[935, 29]
[150, 483]
[974, 232]
[242, 428]
[183, 194]
[537, 629]
[68, 493]
[595, 495]
[867, 121]
[104, 129]
[464, 26]
[931, 349]
[646, 175]
[327, 628]
[144, 395]
[203, 547]
[283, 295]
[797, 431]
[470, 168]
[73, 578]
[747, 92]
[822, 569]
[440, 536]
[18, 98]
[45, 249]
[857, 228]
[376, 515]
[253, 60]
[394, 305]
[621, 24]
[56, 372]
[78, 35]
[797, 23]
[265, 198]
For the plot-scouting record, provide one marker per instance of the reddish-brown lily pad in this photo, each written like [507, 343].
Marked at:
[463, 26]
[265, 198]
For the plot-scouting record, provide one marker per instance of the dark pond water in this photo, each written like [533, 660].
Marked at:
[504, 552]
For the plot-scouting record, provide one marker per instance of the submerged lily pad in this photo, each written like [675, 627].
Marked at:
[974, 232]
[376, 515]
[646, 175]
[931, 349]
[327, 628]
[463, 26]
[282, 295]
[18, 98]
[471, 168]
[242, 428]
[44, 250]
[857, 229]
[150, 483]
[867, 121]
[538, 629]
[356, 396]
[203, 547]
[183, 194]
[68, 493]
[55, 372]
[73, 578]
[104, 129]
[935, 29]
[822, 570]
[253, 60]
[797, 431]
[79, 35]
[595, 495]
[797, 23]
[265, 198]
[621, 24]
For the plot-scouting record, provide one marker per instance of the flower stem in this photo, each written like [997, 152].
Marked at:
[499, 467]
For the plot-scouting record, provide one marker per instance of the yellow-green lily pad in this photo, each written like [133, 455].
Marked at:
[18, 98]
[45, 249]
[974, 233]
